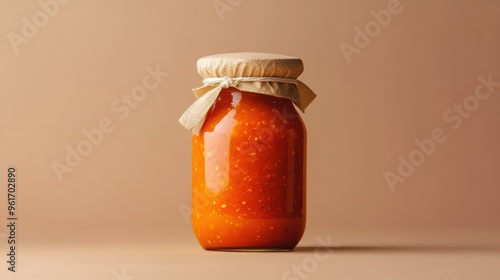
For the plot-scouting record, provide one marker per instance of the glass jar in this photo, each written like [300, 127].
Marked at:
[249, 174]
[249, 152]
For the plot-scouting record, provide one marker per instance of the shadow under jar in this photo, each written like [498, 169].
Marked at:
[249, 177]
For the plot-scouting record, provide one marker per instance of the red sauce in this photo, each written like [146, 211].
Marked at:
[249, 174]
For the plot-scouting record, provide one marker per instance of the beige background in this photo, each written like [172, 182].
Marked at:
[127, 194]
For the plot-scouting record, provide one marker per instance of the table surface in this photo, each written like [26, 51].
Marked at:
[316, 257]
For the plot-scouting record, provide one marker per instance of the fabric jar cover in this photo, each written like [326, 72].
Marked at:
[270, 74]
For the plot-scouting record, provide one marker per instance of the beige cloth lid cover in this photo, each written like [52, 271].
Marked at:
[237, 65]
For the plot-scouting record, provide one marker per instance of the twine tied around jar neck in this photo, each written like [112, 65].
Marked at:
[228, 82]
[194, 117]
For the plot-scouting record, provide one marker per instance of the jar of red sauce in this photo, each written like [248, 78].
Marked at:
[249, 155]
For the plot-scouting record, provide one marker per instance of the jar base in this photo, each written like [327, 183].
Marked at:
[257, 235]
[250, 250]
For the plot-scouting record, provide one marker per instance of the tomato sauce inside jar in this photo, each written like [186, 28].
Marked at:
[249, 163]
